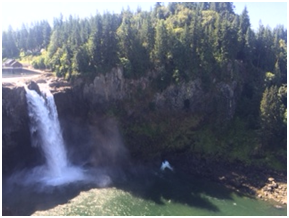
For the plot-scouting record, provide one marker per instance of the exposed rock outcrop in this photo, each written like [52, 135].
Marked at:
[16, 146]
[189, 96]
[109, 87]
[274, 190]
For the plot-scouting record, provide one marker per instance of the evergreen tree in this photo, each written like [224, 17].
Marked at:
[244, 21]
[22, 38]
[271, 113]
[94, 42]
[109, 40]
[126, 35]
[147, 35]
[161, 46]
[80, 60]
[46, 30]
[9, 49]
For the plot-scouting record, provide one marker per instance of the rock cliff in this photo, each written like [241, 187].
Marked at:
[16, 147]
[187, 95]
[83, 106]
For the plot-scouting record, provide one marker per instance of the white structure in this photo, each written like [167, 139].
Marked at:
[165, 165]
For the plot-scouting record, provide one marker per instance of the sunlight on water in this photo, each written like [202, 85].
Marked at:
[163, 198]
[115, 202]
[139, 194]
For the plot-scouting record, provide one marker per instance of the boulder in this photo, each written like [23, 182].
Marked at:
[267, 188]
[274, 185]
[270, 179]
[33, 86]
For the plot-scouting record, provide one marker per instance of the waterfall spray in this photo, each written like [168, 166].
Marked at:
[46, 133]
[45, 126]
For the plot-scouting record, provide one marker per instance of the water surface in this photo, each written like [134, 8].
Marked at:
[13, 73]
[146, 193]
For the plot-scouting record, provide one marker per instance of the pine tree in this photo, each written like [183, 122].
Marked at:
[125, 34]
[161, 46]
[271, 114]
[109, 40]
[22, 38]
[244, 21]
[46, 31]
[9, 48]
[94, 43]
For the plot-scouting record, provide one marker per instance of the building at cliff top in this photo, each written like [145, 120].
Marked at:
[12, 63]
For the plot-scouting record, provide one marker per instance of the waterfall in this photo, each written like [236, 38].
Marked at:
[46, 134]
[45, 129]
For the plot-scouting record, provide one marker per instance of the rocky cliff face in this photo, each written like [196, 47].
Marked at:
[109, 87]
[91, 138]
[186, 96]
[82, 107]
[16, 147]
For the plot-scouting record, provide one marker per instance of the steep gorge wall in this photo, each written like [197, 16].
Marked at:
[16, 146]
[134, 103]
[186, 95]
[89, 130]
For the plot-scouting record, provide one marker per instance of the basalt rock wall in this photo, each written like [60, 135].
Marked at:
[191, 96]
[17, 152]
[83, 107]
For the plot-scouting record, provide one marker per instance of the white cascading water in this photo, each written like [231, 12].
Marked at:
[46, 133]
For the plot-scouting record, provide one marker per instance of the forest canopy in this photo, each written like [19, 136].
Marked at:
[186, 39]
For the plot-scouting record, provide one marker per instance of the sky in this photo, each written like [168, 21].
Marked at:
[16, 13]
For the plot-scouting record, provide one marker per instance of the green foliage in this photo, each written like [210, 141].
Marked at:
[39, 63]
[285, 117]
[197, 40]
[156, 134]
[272, 115]
[161, 44]
[9, 48]
[127, 69]
[270, 79]
[176, 76]
[80, 60]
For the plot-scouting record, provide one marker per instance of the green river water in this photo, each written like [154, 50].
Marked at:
[156, 193]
